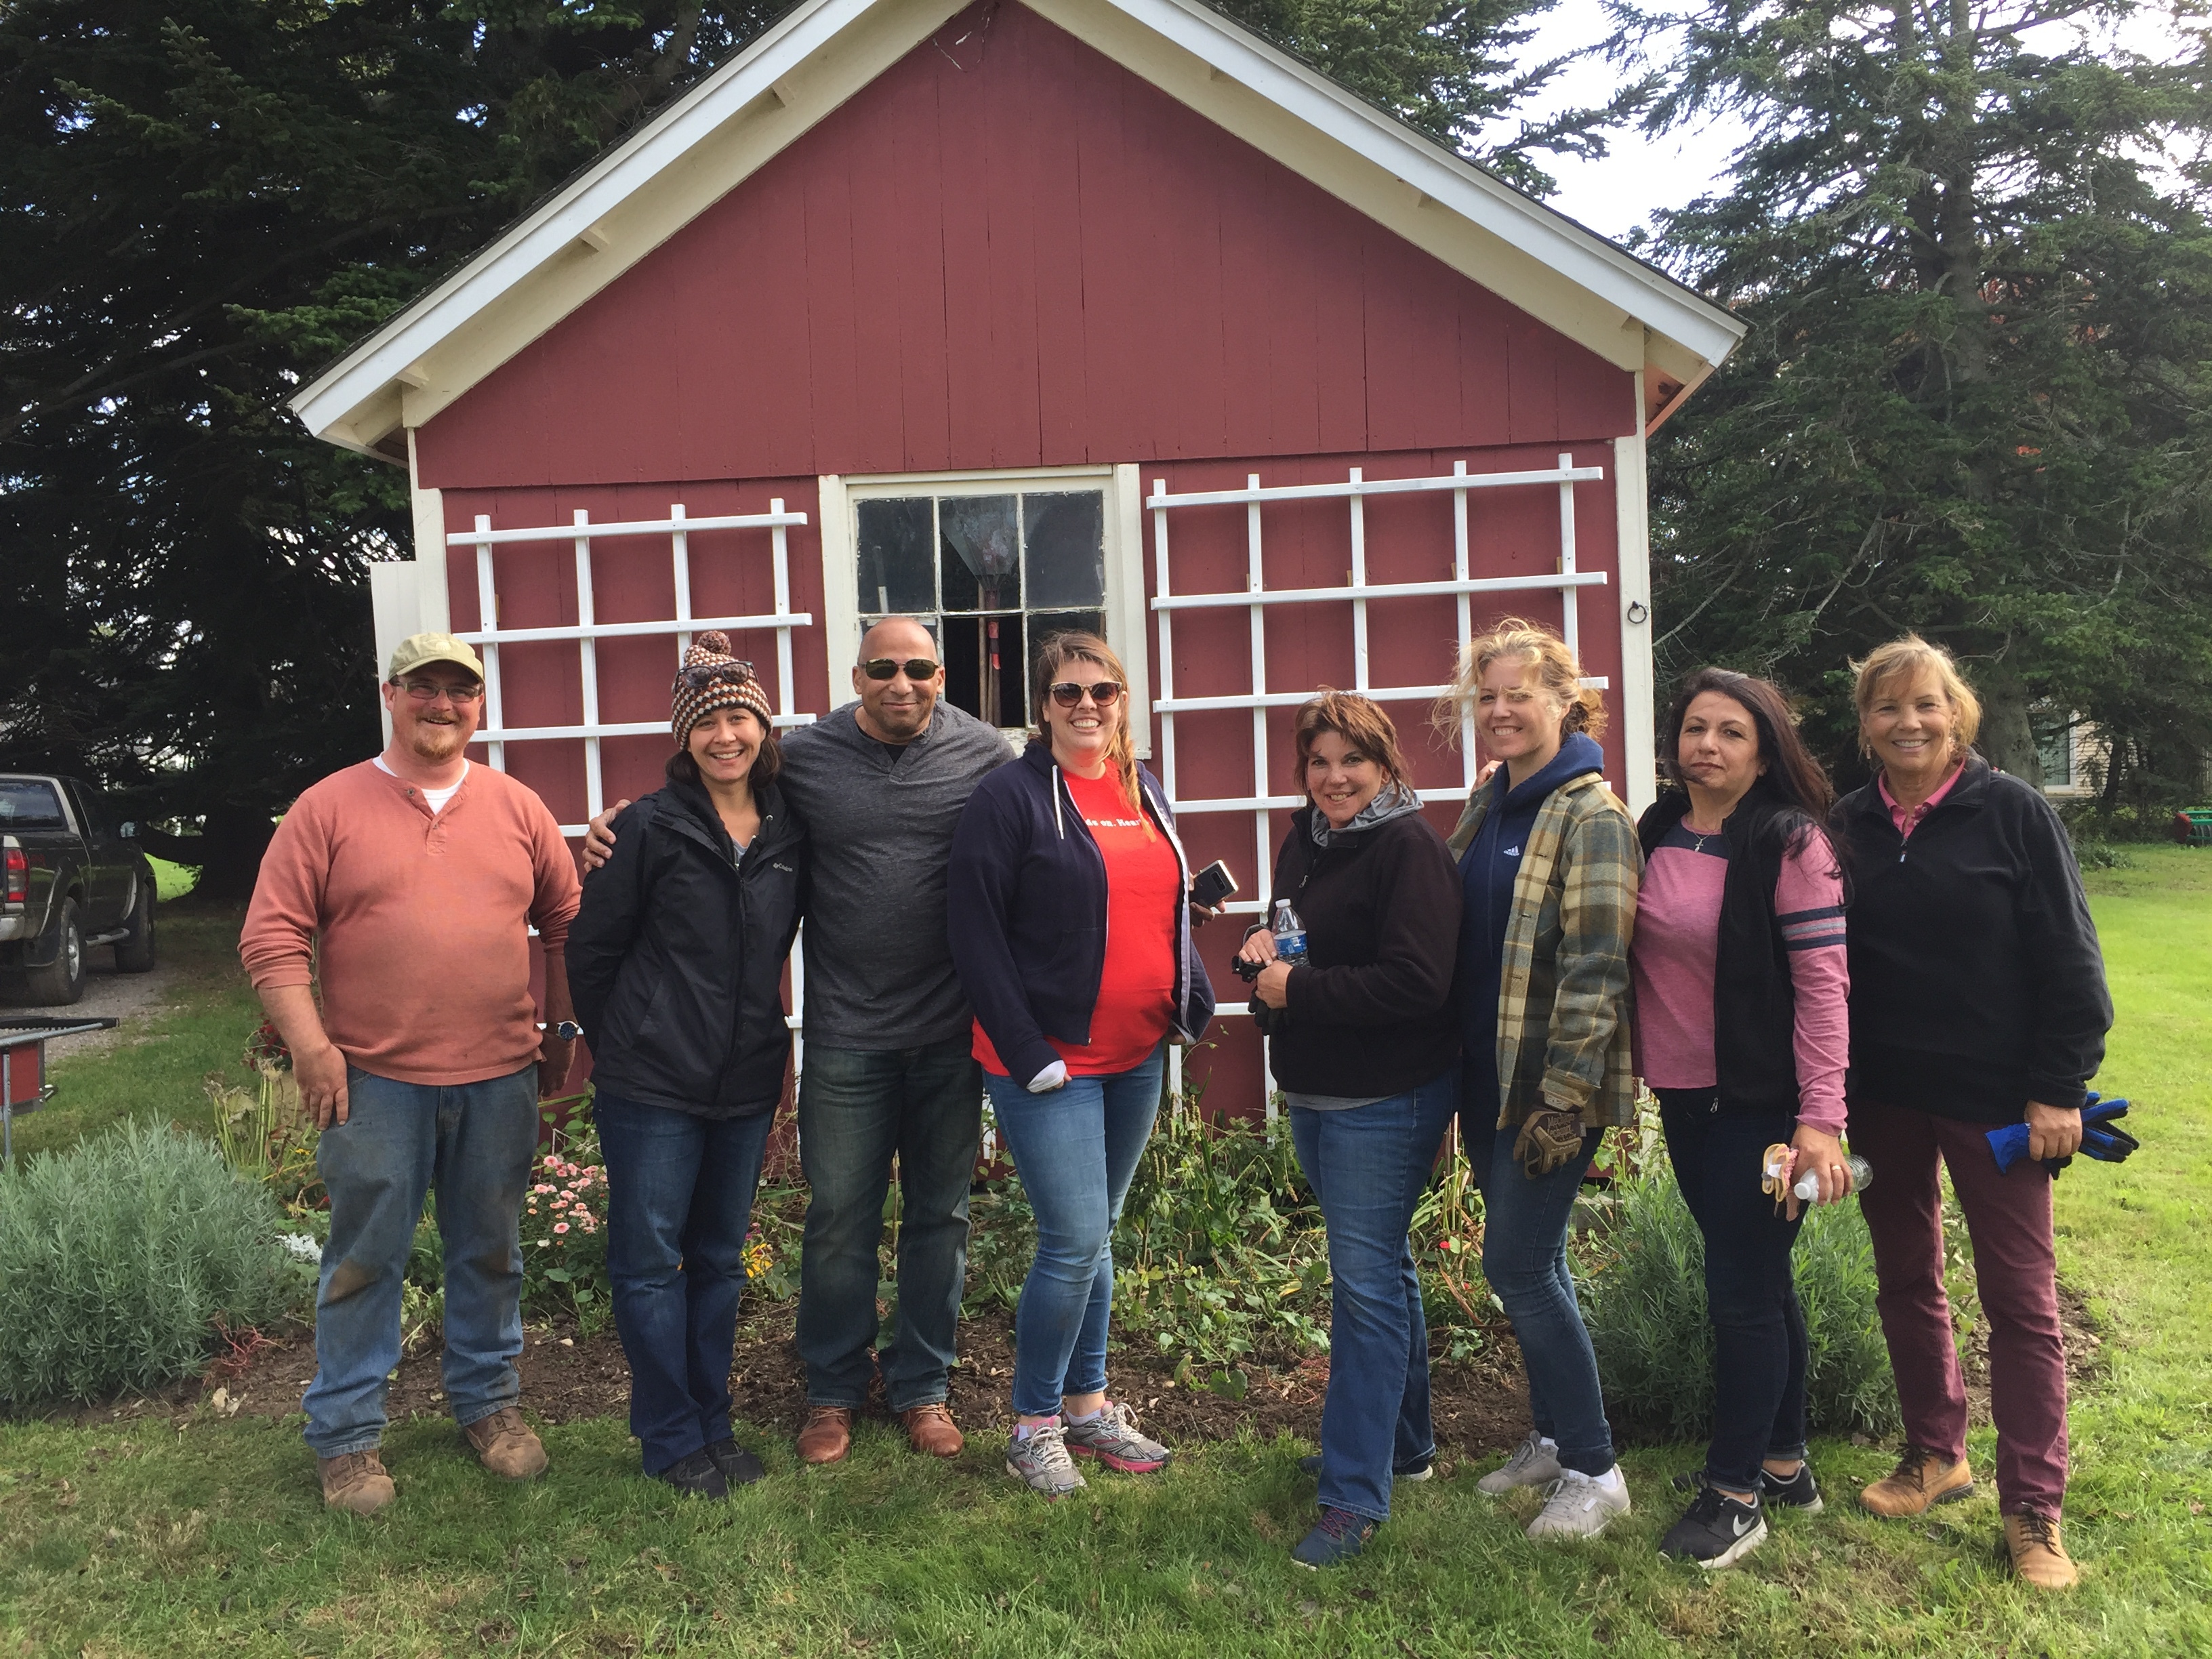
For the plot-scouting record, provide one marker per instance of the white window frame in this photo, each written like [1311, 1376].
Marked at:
[1126, 629]
[679, 526]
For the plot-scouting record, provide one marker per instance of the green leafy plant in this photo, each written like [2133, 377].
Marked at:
[1642, 1281]
[118, 1257]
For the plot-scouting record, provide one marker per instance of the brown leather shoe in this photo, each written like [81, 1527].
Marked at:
[1921, 1479]
[506, 1445]
[2038, 1556]
[828, 1435]
[355, 1482]
[931, 1431]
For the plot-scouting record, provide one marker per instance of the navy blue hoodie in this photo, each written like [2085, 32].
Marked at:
[1026, 914]
[1487, 871]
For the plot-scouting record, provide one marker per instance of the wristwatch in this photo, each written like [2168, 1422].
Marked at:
[568, 1030]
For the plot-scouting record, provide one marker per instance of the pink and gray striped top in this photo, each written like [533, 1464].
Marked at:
[1676, 957]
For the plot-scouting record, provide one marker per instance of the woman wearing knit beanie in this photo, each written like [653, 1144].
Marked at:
[676, 961]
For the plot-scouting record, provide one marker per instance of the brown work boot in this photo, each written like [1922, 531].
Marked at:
[1921, 1478]
[355, 1481]
[930, 1430]
[2038, 1556]
[828, 1435]
[506, 1445]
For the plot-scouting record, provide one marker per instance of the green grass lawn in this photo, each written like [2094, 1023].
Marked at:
[207, 1537]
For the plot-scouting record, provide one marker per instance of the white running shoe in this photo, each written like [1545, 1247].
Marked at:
[1534, 1463]
[1580, 1505]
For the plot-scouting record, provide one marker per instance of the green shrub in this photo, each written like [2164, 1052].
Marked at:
[118, 1256]
[1644, 1298]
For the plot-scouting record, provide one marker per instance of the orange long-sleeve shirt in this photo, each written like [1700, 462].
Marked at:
[422, 920]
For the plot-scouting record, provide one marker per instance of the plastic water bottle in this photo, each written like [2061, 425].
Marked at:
[1290, 933]
[1808, 1184]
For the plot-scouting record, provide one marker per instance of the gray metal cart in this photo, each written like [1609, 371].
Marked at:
[23, 1085]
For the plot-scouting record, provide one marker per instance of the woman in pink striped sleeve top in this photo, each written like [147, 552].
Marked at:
[1742, 1031]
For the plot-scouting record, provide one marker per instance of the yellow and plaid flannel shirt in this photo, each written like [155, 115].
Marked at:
[1563, 999]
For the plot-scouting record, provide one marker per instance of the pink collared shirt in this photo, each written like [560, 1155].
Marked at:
[1906, 821]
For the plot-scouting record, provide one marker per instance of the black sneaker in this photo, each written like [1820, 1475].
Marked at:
[1419, 1470]
[695, 1474]
[739, 1468]
[1797, 1492]
[1716, 1531]
[1337, 1536]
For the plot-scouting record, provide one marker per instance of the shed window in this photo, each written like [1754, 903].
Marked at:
[990, 575]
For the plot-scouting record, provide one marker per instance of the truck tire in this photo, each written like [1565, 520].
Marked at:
[61, 982]
[134, 951]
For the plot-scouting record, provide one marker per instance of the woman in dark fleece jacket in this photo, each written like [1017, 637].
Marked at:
[1069, 913]
[676, 964]
[1978, 999]
[1367, 1054]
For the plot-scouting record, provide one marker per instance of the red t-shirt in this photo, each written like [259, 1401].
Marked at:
[1136, 988]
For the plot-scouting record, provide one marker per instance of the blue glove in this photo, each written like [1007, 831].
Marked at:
[2099, 1141]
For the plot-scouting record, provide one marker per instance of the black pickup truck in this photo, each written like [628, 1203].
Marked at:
[74, 879]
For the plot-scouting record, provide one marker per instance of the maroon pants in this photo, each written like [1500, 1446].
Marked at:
[2015, 1272]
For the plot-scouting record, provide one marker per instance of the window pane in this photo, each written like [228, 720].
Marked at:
[1066, 541]
[27, 806]
[983, 668]
[2054, 747]
[982, 553]
[1042, 622]
[896, 573]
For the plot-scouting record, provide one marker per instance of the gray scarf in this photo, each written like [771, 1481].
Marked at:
[1393, 800]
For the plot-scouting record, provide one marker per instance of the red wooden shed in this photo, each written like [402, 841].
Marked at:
[1012, 315]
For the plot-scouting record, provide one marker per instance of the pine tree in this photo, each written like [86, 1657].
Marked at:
[1976, 394]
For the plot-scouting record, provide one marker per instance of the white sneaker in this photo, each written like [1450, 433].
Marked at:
[1535, 1461]
[1579, 1505]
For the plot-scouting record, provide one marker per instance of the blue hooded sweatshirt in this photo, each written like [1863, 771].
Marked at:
[1487, 871]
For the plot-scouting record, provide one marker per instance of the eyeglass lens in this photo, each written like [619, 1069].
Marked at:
[422, 691]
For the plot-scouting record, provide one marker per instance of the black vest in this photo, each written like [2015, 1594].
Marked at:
[1755, 1003]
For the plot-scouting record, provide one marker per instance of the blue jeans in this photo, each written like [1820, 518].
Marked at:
[679, 1198]
[1076, 1150]
[1524, 1257]
[1760, 1346]
[470, 1142]
[1368, 1166]
[858, 1109]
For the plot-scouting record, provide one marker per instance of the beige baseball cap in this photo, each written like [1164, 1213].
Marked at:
[418, 649]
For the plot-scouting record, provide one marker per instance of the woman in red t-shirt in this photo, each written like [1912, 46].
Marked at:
[1069, 916]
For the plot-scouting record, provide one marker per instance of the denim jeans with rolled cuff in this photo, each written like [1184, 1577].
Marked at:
[1759, 1347]
[1076, 1150]
[1368, 1166]
[679, 1201]
[1524, 1257]
[858, 1110]
[471, 1144]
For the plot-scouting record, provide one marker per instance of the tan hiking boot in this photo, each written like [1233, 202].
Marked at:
[506, 1445]
[931, 1431]
[1921, 1479]
[2038, 1556]
[355, 1482]
[828, 1435]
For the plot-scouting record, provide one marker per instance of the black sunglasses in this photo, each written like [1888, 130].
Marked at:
[1067, 693]
[699, 676]
[887, 668]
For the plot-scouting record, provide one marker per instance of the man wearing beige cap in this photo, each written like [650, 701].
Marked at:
[409, 884]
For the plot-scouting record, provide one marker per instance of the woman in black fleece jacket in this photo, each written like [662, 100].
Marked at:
[1978, 999]
[1367, 1054]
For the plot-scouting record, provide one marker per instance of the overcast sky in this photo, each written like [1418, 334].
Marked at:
[1616, 194]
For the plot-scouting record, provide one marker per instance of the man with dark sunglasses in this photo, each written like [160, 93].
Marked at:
[887, 1073]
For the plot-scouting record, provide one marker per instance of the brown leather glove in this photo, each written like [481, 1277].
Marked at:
[1549, 1137]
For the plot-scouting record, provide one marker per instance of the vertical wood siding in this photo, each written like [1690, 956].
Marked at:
[1029, 258]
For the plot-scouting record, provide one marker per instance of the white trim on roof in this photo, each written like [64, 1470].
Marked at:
[805, 65]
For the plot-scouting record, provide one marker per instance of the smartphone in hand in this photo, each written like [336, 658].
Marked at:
[1211, 886]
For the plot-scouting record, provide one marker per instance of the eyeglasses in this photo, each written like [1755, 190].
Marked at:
[887, 668]
[1067, 693]
[424, 691]
[699, 676]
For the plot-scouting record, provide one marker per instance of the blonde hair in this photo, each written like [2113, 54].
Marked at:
[1054, 652]
[1517, 639]
[1908, 659]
